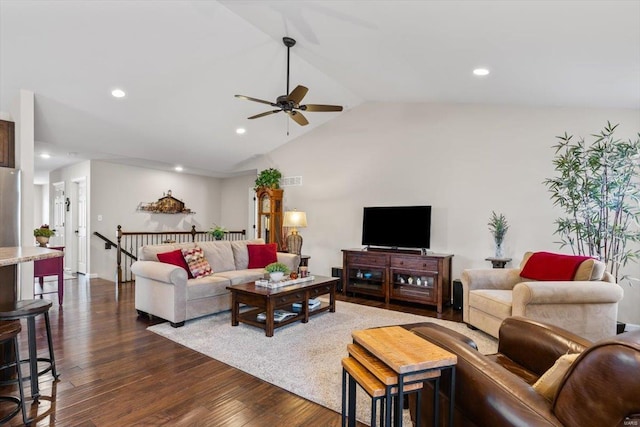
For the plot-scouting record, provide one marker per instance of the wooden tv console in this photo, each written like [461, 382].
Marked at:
[398, 275]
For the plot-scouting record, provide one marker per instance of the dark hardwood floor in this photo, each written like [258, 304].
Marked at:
[115, 373]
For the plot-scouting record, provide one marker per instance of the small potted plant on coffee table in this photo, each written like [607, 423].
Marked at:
[276, 271]
[43, 234]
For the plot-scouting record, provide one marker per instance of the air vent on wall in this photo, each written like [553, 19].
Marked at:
[290, 181]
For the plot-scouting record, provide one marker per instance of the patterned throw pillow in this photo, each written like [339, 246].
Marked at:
[197, 263]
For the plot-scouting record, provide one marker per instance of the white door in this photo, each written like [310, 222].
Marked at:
[81, 229]
[59, 207]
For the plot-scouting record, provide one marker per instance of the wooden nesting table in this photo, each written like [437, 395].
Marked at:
[412, 358]
[268, 300]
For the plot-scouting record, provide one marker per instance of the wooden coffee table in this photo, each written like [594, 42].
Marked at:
[267, 300]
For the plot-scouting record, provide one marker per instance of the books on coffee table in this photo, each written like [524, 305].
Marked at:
[278, 316]
[313, 304]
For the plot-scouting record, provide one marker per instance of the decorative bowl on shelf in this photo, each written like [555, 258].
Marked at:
[367, 275]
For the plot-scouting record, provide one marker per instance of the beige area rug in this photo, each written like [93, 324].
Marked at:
[301, 358]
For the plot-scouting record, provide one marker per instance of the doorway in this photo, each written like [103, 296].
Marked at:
[79, 219]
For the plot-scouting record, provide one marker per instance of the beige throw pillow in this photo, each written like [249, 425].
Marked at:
[548, 383]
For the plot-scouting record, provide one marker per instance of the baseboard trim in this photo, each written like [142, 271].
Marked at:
[91, 276]
[631, 327]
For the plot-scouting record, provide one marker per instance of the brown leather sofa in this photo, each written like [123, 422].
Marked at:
[601, 388]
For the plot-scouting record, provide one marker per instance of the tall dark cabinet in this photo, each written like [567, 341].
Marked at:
[7, 144]
[270, 215]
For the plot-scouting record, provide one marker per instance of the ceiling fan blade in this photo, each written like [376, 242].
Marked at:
[297, 94]
[262, 101]
[264, 114]
[320, 107]
[298, 117]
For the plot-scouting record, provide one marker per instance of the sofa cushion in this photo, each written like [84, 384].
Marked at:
[243, 276]
[494, 301]
[198, 264]
[548, 383]
[262, 255]
[150, 252]
[205, 287]
[175, 258]
[550, 266]
[219, 255]
[240, 252]
[590, 269]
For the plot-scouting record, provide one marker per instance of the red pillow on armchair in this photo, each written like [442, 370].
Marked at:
[262, 255]
[550, 266]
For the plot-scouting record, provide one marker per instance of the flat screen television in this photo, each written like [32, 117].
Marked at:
[397, 226]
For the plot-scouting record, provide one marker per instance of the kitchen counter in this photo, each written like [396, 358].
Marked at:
[17, 254]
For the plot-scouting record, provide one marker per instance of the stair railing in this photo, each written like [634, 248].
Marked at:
[129, 242]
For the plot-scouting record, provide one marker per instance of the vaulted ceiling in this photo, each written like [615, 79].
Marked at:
[181, 63]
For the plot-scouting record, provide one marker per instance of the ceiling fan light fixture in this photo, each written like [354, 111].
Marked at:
[291, 104]
[241, 131]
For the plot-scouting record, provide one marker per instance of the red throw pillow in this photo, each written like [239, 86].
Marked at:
[549, 266]
[175, 258]
[262, 255]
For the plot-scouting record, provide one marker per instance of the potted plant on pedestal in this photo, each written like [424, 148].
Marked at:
[498, 227]
[43, 234]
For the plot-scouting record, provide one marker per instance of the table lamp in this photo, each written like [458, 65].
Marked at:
[295, 220]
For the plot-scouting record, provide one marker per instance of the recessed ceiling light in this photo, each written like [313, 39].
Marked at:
[481, 72]
[45, 156]
[178, 168]
[240, 131]
[118, 93]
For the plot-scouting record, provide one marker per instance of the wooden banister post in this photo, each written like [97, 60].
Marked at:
[119, 256]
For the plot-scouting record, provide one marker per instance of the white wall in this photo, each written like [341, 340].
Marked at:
[117, 190]
[40, 204]
[235, 211]
[464, 160]
[22, 112]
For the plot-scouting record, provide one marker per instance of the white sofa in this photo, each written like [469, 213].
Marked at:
[586, 305]
[163, 290]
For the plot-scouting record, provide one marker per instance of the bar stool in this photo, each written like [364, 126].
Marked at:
[9, 335]
[29, 309]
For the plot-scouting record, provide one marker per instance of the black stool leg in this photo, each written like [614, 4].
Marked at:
[25, 420]
[33, 358]
[51, 357]
[344, 397]
[352, 402]
[374, 403]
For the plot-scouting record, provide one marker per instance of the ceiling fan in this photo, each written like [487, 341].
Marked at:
[290, 104]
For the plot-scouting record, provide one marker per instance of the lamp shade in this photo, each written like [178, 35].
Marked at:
[295, 219]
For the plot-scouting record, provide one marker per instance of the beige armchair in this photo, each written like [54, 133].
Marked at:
[586, 305]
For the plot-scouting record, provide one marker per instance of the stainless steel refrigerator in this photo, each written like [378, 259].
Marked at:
[9, 207]
[9, 236]
[9, 225]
